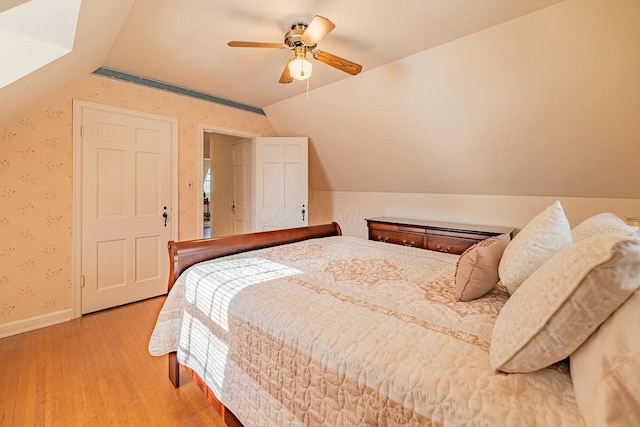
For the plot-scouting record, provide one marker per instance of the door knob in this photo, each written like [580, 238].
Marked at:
[165, 215]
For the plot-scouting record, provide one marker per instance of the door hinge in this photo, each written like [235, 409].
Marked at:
[82, 281]
[82, 131]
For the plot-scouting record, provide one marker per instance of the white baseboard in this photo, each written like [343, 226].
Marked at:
[31, 323]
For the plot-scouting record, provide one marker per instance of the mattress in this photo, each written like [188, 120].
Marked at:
[346, 331]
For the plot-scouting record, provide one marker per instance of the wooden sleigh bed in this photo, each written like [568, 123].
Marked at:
[183, 255]
[308, 327]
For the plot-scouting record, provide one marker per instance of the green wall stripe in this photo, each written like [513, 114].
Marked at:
[143, 81]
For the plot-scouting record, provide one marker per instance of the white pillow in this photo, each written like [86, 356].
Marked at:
[599, 224]
[564, 301]
[604, 370]
[545, 235]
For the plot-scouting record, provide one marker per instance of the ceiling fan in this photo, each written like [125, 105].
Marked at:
[303, 38]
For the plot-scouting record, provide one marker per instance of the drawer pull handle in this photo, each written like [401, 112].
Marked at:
[439, 247]
[383, 240]
[413, 242]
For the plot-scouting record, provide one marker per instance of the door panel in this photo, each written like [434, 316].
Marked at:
[111, 264]
[110, 185]
[281, 185]
[147, 265]
[148, 183]
[126, 189]
[293, 182]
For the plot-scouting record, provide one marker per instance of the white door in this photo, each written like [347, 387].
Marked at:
[241, 194]
[126, 191]
[281, 183]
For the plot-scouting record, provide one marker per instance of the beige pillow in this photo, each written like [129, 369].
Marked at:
[542, 237]
[599, 224]
[564, 301]
[477, 268]
[605, 369]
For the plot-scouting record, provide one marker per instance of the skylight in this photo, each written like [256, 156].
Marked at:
[34, 34]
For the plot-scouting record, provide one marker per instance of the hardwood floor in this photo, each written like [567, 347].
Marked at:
[96, 371]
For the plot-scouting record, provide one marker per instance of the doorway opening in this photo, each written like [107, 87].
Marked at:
[215, 218]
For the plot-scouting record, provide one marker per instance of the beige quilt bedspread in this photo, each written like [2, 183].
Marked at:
[342, 331]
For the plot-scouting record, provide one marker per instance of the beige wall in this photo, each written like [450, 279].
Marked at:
[543, 105]
[351, 208]
[36, 188]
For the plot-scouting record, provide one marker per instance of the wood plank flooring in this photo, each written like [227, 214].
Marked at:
[96, 371]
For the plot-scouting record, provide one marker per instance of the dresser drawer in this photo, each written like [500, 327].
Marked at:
[437, 236]
[451, 245]
[397, 237]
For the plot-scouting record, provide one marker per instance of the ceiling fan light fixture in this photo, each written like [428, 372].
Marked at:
[303, 39]
[300, 68]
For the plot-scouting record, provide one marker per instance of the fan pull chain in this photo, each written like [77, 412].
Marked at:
[308, 88]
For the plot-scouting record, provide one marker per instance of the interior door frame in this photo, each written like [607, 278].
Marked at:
[78, 107]
[200, 184]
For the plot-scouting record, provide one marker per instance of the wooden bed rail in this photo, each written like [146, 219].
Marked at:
[182, 255]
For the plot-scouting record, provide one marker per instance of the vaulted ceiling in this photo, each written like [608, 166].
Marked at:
[184, 42]
[507, 97]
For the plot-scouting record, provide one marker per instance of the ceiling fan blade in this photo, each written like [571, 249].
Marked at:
[337, 62]
[286, 75]
[235, 43]
[317, 29]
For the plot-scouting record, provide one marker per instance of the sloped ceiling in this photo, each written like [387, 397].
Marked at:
[98, 25]
[184, 42]
[526, 97]
[543, 105]
[44, 29]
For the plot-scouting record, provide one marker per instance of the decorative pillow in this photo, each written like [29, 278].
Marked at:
[564, 301]
[604, 370]
[545, 235]
[599, 224]
[477, 268]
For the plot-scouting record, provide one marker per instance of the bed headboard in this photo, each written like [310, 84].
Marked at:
[184, 254]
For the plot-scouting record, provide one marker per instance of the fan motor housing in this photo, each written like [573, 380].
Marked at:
[293, 38]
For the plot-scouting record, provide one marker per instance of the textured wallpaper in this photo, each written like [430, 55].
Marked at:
[36, 185]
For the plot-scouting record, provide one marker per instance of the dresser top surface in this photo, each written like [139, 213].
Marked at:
[442, 225]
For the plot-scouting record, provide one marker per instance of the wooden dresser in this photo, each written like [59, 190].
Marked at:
[436, 236]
